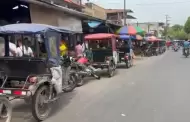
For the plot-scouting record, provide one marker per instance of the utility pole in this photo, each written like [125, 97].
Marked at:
[125, 13]
[167, 25]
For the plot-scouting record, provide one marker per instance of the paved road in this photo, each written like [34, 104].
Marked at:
[155, 90]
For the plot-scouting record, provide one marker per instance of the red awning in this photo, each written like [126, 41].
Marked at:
[99, 36]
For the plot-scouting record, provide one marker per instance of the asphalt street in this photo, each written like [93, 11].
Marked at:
[156, 89]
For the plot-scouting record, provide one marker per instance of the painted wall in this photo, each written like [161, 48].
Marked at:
[48, 16]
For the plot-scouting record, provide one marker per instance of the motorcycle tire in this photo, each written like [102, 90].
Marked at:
[35, 100]
[5, 104]
[80, 81]
[96, 76]
[111, 69]
[73, 80]
[127, 64]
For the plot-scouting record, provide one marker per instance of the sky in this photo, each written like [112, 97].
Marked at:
[152, 10]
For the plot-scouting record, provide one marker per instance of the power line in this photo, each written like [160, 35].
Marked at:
[162, 3]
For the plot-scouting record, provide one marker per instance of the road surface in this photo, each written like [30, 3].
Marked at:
[155, 90]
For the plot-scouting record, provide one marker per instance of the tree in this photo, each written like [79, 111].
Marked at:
[177, 27]
[187, 26]
[177, 32]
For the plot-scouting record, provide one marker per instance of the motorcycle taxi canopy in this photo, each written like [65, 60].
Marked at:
[24, 28]
[99, 36]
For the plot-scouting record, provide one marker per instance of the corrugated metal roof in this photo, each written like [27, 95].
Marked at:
[117, 10]
[71, 2]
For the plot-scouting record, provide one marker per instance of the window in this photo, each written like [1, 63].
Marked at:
[100, 44]
[53, 46]
[2, 46]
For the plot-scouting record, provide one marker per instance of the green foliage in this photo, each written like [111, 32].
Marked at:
[177, 32]
[177, 27]
[187, 26]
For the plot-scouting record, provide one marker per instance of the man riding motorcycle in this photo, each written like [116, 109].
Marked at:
[186, 45]
[175, 46]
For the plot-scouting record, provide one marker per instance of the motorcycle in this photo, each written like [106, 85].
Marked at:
[69, 76]
[155, 51]
[128, 60]
[148, 52]
[175, 48]
[83, 69]
[186, 52]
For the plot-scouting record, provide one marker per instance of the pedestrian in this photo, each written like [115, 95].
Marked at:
[79, 50]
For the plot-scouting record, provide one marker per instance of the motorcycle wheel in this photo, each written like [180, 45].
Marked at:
[127, 64]
[96, 76]
[38, 102]
[80, 80]
[5, 110]
[72, 83]
[111, 69]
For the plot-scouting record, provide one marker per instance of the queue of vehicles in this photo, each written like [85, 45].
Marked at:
[42, 80]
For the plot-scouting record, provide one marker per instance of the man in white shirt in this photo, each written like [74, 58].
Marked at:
[24, 49]
[12, 50]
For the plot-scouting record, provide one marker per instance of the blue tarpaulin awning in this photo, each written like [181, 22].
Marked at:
[94, 24]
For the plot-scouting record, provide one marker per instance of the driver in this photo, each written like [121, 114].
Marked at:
[63, 48]
[186, 45]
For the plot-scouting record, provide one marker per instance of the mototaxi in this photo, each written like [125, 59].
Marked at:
[103, 47]
[37, 79]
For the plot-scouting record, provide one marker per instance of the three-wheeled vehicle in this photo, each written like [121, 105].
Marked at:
[103, 47]
[37, 79]
[162, 44]
[155, 45]
[122, 43]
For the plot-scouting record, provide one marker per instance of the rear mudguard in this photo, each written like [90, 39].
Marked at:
[34, 87]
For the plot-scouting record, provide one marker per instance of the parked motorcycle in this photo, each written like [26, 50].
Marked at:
[128, 60]
[155, 51]
[148, 52]
[69, 76]
[83, 69]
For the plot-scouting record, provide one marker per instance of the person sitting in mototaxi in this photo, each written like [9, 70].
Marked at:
[63, 48]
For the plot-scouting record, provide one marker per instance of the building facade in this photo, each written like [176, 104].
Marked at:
[116, 16]
[44, 15]
[95, 10]
[155, 28]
